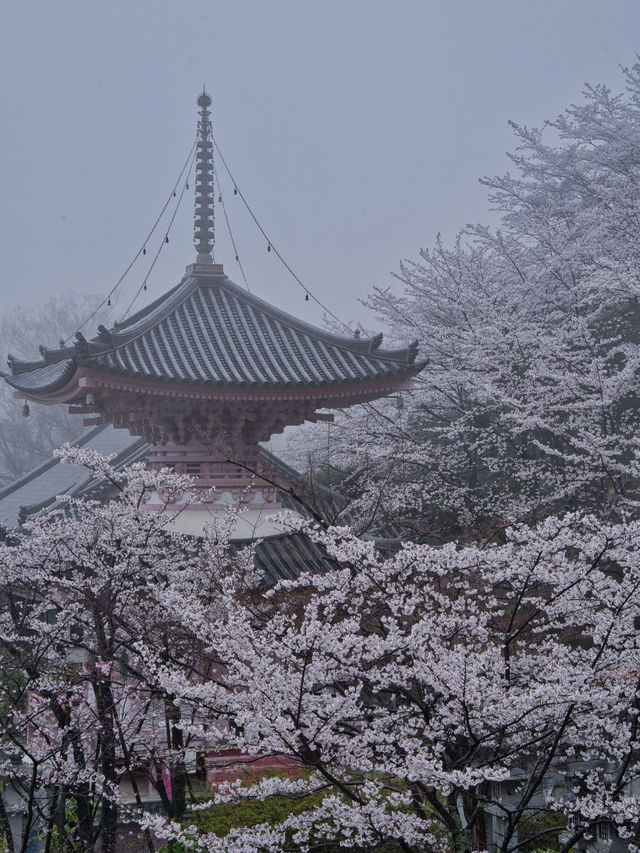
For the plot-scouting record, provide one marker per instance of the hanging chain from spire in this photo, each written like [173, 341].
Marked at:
[270, 247]
[204, 232]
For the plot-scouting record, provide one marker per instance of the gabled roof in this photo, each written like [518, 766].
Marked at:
[208, 331]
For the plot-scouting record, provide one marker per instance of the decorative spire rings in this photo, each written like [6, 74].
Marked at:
[204, 231]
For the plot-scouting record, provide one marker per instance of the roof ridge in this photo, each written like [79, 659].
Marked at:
[117, 327]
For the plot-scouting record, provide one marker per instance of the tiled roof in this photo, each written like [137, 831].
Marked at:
[39, 488]
[285, 557]
[209, 332]
[43, 380]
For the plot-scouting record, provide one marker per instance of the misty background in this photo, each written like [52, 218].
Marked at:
[356, 129]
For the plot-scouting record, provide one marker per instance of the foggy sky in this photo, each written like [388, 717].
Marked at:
[357, 129]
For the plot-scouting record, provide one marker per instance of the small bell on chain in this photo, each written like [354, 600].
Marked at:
[144, 250]
[269, 247]
[306, 297]
[166, 239]
[235, 190]
[26, 411]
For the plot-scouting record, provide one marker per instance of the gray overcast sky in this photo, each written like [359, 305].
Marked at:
[357, 129]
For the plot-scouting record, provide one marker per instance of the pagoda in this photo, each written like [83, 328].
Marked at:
[208, 371]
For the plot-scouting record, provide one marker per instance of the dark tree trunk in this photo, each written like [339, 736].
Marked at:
[105, 712]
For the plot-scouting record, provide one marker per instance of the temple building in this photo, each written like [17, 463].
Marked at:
[196, 381]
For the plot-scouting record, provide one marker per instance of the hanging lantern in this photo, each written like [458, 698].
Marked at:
[235, 190]
[144, 250]
[220, 199]
[109, 301]
[306, 297]
[269, 247]
[166, 239]
[26, 411]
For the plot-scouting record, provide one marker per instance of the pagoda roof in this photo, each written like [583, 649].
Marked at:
[208, 331]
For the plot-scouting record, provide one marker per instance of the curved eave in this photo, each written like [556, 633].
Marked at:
[46, 381]
[208, 332]
[84, 380]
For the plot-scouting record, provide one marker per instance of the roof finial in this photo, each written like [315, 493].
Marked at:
[204, 234]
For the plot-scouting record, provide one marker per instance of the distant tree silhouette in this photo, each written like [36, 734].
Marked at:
[25, 442]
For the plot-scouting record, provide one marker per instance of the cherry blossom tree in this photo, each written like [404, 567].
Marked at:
[528, 405]
[442, 698]
[78, 589]
[436, 699]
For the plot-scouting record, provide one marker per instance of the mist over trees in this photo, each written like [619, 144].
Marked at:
[25, 442]
[529, 403]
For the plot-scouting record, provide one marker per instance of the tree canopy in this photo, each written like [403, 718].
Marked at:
[529, 403]
[429, 700]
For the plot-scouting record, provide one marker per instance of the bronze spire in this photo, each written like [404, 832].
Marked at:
[204, 230]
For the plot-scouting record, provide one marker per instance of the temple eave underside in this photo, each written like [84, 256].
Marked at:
[162, 412]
